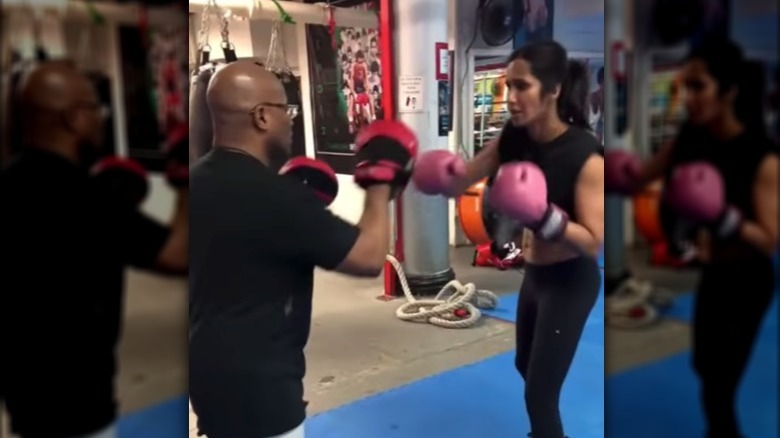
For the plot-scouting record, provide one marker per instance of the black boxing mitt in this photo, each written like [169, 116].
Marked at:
[177, 156]
[122, 181]
[386, 151]
[314, 173]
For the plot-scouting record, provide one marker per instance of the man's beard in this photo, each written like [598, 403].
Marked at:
[89, 155]
[278, 154]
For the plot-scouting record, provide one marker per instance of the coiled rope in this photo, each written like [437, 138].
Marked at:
[635, 304]
[456, 306]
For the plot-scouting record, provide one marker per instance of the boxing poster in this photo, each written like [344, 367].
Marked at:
[154, 90]
[345, 72]
[715, 19]
[537, 23]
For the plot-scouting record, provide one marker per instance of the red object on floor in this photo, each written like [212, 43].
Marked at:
[484, 257]
[462, 313]
[660, 256]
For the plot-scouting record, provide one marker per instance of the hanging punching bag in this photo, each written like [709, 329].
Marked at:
[292, 88]
[676, 20]
[679, 232]
[8, 96]
[201, 128]
[201, 131]
[102, 84]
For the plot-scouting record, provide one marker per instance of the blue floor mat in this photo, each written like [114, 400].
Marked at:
[166, 420]
[484, 399]
[661, 399]
[683, 310]
[506, 310]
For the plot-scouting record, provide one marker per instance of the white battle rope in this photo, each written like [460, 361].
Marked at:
[635, 304]
[440, 310]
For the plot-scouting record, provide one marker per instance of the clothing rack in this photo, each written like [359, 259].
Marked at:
[305, 13]
[127, 14]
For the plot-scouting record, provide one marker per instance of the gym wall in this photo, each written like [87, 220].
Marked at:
[252, 39]
[96, 50]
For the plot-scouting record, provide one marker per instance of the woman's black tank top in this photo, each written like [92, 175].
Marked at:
[561, 160]
[737, 160]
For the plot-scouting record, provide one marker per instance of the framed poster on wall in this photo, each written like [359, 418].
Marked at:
[345, 73]
[538, 22]
[154, 90]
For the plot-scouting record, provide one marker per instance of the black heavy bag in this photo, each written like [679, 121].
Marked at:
[201, 130]
[8, 82]
[679, 233]
[102, 84]
[676, 20]
[19, 70]
[292, 87]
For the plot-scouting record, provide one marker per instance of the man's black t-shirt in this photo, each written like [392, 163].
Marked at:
[255, 238]
[64, 247]
[561, 160]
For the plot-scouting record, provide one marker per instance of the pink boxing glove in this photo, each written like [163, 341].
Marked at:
[621, 172]
[520, 191]
[696, 191]
[435, 172]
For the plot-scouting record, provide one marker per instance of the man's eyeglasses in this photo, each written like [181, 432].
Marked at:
[292, 110]
[102, 110]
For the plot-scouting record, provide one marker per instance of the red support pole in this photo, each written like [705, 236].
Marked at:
[388, 104]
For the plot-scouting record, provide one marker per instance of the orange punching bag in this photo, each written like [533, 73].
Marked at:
[473, 213]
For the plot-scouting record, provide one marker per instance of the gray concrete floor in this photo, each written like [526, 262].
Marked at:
[358, 347]
[625, 349]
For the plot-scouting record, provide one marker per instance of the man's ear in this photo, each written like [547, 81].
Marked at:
[71, 120]
[259, 118]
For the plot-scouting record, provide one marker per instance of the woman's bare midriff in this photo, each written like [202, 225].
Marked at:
[540, 252]
[708, 251]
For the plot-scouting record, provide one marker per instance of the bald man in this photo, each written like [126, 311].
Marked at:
[64, 252]
[256, 239]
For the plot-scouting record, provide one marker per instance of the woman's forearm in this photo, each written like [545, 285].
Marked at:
[582, 239]
[755, 235]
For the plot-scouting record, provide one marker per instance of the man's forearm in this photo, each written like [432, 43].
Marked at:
[375, 221]
[175, 255]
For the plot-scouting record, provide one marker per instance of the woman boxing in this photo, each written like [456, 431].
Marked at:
[721, 176]
[548, 184]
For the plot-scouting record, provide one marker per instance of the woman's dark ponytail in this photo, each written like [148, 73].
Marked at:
[573, 99]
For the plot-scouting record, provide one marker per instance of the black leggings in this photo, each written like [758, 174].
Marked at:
[555, 301]
[727, 316]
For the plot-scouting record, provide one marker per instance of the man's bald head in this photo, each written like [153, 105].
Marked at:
[249, 110]
[240, 86]
[61, 107]
[54, 86]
